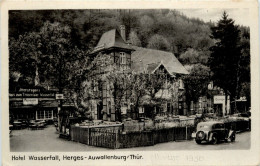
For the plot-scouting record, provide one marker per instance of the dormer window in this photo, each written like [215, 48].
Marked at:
[122, 58]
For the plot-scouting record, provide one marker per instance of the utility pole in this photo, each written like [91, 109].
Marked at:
[60, 89]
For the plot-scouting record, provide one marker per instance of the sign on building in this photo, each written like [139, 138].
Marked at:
[59, 96]
[219, 99]
[30, 101]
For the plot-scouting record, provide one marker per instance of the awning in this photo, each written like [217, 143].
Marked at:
[146, 99]
[52, 103]
[20, 104]
[163, 94]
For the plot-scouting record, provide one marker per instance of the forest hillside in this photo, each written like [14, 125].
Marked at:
[169, 30]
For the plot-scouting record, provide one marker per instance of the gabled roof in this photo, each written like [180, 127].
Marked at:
[152, 66]
[111, 39]
[150, 59]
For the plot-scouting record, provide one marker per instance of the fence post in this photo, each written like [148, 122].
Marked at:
[152, 136]
[186, 132]
[174, 133]
[90, 139]
[116, 139]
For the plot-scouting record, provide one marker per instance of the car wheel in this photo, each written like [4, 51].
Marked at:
[214, 139]
[233, 138]
[198, 141]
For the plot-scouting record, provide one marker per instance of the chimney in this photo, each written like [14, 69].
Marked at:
[122, 32]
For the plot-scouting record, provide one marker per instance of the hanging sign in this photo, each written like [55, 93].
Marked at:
[59, 96]
[219, 99]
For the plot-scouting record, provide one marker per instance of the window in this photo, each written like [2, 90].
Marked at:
[109, 108]
[99, 85]
[204, 127]
[48, 114]
[219, 126]
[40, 114]
[181, 85]
[94, 86]
[122, 58]
[44, 114]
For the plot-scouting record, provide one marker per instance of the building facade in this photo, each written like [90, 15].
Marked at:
[213, 102]
[33, 104]
[139, 61]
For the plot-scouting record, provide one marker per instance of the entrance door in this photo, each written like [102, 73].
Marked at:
[218, 109]
[169, 108]
[180, 108]
[148, 111]
[99, 111]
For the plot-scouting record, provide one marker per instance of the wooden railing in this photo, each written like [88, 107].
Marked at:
[115, 138]
[101, 137]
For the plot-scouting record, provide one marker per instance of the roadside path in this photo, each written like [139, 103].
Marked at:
[47, 140]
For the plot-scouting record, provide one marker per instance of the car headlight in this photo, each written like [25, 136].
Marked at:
[200, 135]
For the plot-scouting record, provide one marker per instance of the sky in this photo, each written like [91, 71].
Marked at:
[240, 15]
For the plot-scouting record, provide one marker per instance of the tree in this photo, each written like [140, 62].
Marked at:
[225, 57]
[48, 58]
[127, 18]
[103, 72]
[146, 22]
[134, 39]
[191, 56]
[125, 85]
[87, 26]
[159, 42]
[161, 87]
[48, 52]
[96, 72]
[244, 85]
[196, 83]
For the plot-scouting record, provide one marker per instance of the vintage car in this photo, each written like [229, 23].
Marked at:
[243, 121]
[213, 132]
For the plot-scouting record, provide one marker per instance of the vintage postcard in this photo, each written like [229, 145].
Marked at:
[130, 83]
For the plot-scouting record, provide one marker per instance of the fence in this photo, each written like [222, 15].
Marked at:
[101, 137]
[136, 139]
[80, 134]
[114, 138]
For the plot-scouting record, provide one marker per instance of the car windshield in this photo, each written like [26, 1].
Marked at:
[219, 126]
[244, 115]
[203, 127]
